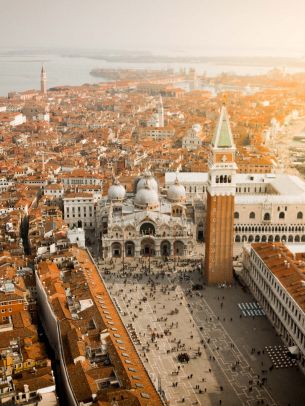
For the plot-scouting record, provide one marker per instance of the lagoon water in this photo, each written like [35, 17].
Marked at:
[18, 73]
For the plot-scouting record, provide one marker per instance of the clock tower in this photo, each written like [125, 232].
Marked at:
[220, 204]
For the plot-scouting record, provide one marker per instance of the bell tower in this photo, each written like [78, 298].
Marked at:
[43, 81]
[160, 113]
[220, 204]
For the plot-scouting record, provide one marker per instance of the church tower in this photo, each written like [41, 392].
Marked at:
[160, 113]
[220, 204]
[43, 81]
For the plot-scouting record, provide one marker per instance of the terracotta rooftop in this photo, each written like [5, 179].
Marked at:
[97, 322]
[288, 268]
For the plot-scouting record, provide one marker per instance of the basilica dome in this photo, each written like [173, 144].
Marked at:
[176, 192]
[148, 179]
[146, 198]
[116, 191]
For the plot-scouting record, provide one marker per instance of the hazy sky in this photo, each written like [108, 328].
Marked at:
[192, 26]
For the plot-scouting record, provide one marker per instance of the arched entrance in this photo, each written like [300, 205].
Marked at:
[178, 248]
[200, 230]
[147, 229]
[116, 249]
[148, 247]
[165, 248]
[129, 249]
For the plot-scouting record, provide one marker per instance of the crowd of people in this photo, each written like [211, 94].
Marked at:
[162, 293]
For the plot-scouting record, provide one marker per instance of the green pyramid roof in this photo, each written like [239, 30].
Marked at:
[223, 137]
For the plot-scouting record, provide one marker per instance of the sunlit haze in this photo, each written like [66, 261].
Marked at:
[197, 27]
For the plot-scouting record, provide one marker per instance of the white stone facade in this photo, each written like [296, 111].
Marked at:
[281, 307]
[80, 210]
[268, 207]
[193, 138]
[77, 236]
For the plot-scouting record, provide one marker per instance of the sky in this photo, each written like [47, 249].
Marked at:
[197, 27]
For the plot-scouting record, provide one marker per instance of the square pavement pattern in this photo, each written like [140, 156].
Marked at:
[279, 356]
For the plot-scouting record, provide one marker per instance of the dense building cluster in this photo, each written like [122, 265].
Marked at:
[135, 168]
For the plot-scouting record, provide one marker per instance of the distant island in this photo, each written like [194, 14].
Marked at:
[218, 60]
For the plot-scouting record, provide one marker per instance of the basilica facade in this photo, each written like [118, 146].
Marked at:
[146, 222]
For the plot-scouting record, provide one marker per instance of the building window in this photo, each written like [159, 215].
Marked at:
[267, 216]
[236, 215]
[300, 215]
[252, 215]
[281, 215]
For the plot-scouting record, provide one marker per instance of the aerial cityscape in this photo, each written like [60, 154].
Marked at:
[152, 203]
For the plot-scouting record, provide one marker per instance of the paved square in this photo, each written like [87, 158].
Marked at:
[228, 363]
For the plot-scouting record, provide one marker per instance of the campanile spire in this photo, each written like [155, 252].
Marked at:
[220, 204]
[43, 80]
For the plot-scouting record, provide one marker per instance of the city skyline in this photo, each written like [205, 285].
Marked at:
[180, 27]
[152, 202]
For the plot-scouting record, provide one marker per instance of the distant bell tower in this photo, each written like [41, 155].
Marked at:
[43, 81]
[220, 204]
[160, 113]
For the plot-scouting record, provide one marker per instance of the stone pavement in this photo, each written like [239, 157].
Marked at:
[220, 374]
[162, 364]
[250, 336]
[231, 361]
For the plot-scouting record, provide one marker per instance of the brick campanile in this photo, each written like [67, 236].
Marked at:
[43, 80]
[220, 204]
